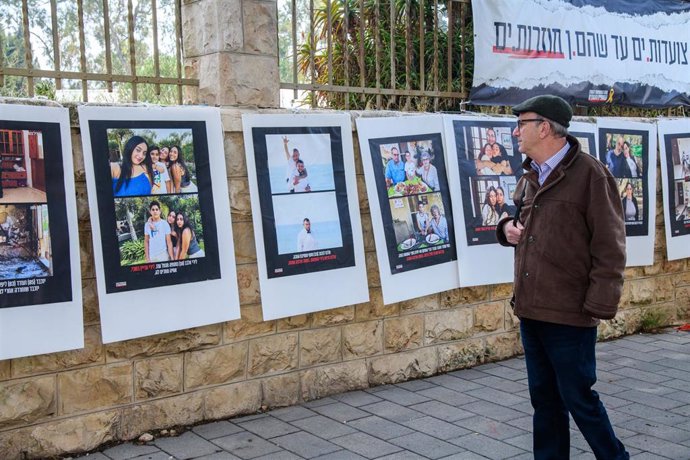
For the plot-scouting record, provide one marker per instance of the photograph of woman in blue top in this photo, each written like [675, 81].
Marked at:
[132, 177]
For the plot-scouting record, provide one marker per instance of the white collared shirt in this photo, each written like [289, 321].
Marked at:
[549, 165]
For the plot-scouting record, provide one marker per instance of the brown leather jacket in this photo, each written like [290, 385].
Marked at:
[570, 259]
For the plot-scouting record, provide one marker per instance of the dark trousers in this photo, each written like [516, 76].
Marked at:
[561, 370]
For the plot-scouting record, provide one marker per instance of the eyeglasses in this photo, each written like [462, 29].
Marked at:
[521, 123]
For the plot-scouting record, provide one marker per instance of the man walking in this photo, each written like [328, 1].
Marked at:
[569, 240]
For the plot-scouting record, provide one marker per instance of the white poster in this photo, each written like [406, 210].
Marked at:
[484, 164]
[588, 52]
[40, 272]
[160, 218]
[409, 198]
[585, 131]
[674, 139]
[307, 228]
[628, 149]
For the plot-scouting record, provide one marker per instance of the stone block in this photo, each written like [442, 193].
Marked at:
[656, 267]
[185, 409]
[232, 400]
[77, 156]
[442, 326]
[240, 205]
[367, 231]
[294, 322]
[681, 279]
[320, 346]
[400, 367]
[248, 282]
[251, 324]
[86, 255]
[260, 21]
[94, 388]
[273, 354]
[243, 239]
[372, 269]
[211, 26]
[420, 304]
[633, 272]
[170, 342]
[502, 291]
[5, 371]
[239, 79]
[332, 379]
[215, 365]
[362, 339]
[26, 401]
[48, 440]
[83, 214]
[90, 299]
[334, 316]
[672, 266]
[625, 322]
[464, 296]
[363, 199]
[511, 321]
[503, 346]
[664, 289]
[156, 377]
[235, 158]
[92, 353]
[489, 317]
[375, 308]
[659, 235]
[460, 355]
[403, 333]
[280, 390]
[642, 291]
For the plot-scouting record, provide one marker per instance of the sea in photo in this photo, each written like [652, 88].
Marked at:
[320, 177]
[327, 235]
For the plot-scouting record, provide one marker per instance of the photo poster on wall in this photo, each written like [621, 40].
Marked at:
[160, 218]
[628, 149]
[674, 139]
[484, 165]
[307, 228]
[586, 133]
[409, 198]
[40, 272]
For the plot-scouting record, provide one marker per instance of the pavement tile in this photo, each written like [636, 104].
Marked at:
[468, 374]
[612, 402]
[525, 407]
[658, 446]
[676, 374]
[216, 429]
[366, 445]
[446, 395]
[94, 456]
[246, 418]
[340, 455]
[305, 444]
[640, 338]
[380, 428]
[319, 402]
[524, 423]
[129, 450]
[467, 455]
[489, 394]
[507, 372]
[280, 455]
[647, 456]
[645, 376]
[488, 447]
[442, 411]
[403, 456]
[647, 399]
[637, 346]
[636, 355]
[288, 414]
[608, 388]
[676, 363]
[494, 411]
[455, 382]
[681, 396]
[683, 410]
[357, 398]
[669, 433]
[392, 411]
[436, 428]
[341, 412]
[402, 396]
[490, 428]
[268, 427]
[502, 384]
[515, 363]
[187, 445]
[220, 456]
[523, 441]
[246, 445]
[677, 384]
[415, 385]
[426, 445]
[160, 455]
[640, 385]
[323, 427]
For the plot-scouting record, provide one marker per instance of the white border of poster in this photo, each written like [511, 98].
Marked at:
[488, 262]
[586, 131]
[417, 282]
[677, 239]
[166, 305]
[639, 241]
[46, 328]
[296, 280]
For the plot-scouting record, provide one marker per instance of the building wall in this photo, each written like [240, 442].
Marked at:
[74, 401]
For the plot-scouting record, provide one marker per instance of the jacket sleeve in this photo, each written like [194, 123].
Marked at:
[607, 248]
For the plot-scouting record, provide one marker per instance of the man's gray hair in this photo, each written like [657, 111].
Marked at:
[558, 129]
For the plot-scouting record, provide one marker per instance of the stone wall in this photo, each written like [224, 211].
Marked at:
[75, 401]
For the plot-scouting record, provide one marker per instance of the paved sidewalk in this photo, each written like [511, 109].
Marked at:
[479, 413]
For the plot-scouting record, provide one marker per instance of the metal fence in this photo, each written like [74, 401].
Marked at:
[392, 54]
[107, 46]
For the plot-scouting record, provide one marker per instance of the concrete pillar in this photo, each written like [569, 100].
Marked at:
[231, 46]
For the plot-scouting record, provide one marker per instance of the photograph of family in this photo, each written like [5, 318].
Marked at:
[492, 150]
[623, 155]
[679, 178]
[492, 200]
[419, 222]
[408, 168]
[25, 245]
[22, 166]
[151, 161]
[300, 163]
[159, 229]
[632, 198]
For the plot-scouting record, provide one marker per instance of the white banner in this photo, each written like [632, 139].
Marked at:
[674, 145]
[588, 53]
[305, 209]
[40, 272]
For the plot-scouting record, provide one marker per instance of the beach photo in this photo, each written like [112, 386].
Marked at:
[22, 166]
[25, 244]
[300, 162]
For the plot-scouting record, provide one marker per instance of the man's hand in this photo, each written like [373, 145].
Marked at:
[513, 231]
